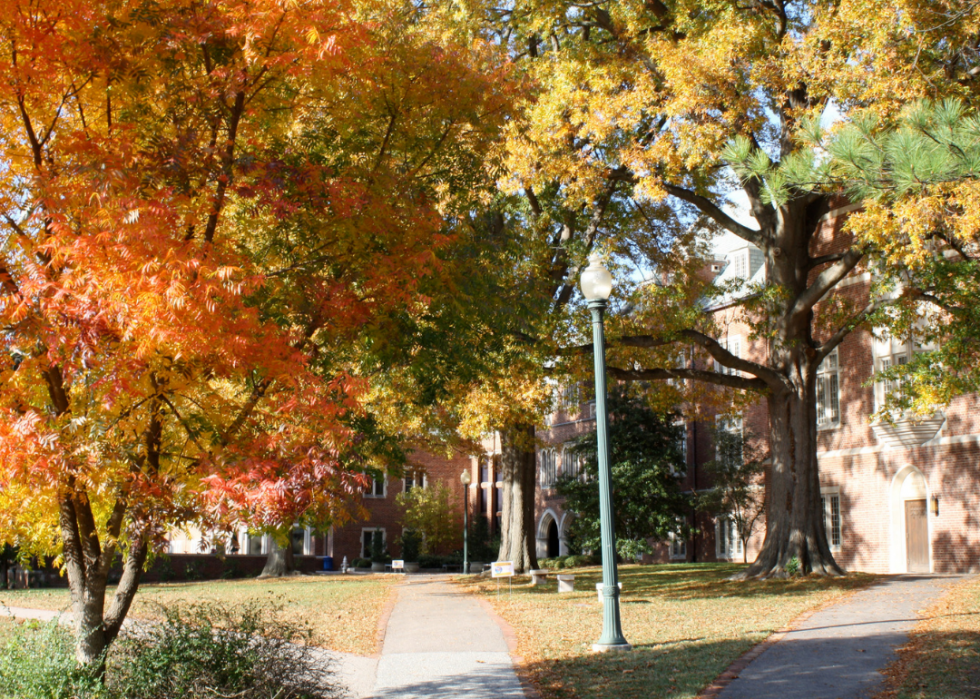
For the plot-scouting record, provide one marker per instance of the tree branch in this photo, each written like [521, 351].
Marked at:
[712, 211]
[826, 281]
[729, 380]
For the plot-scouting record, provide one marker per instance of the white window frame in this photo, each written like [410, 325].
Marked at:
[729, 546]
[732, 343]
[828, 496]
[374, 486]
[733, 424]
[410, 480]
[384, 538]
[549, 467]
[571, 398]
[828, 392]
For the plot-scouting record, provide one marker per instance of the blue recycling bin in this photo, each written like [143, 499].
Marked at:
[328, 562]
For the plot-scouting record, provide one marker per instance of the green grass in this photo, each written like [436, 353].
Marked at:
[687, 623]
[942, 658]
[343, 611]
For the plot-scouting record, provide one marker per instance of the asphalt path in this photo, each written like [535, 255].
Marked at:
[839, 652]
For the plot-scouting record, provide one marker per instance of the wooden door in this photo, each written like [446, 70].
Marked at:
[916, 536]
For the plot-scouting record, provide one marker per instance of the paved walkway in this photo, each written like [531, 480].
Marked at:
[838, 653]
[442, 643]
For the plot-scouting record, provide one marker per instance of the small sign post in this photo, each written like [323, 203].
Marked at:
[503, 569]
[397, 565]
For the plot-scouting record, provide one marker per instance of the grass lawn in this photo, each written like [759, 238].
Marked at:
[343, 611]
[686, 622]
[942, 657]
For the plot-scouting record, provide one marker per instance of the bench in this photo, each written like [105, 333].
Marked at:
[566, 583]
[539, 576]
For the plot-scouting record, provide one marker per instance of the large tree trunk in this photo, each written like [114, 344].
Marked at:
[517, 541]
[279, 561]
[794, 522]
[88, 565]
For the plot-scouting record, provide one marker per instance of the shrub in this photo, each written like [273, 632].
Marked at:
[361, 563]
[203, 650]
[198, 652]
[193, 571]
[793, 567]
[550, 563]
[37, 661]
[411, 542]
[578, 561]
[232, 570]
[166, 568]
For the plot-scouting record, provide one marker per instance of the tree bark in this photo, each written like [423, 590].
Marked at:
[88, 564]
[517, 541]
[794, 523]
[279, 562]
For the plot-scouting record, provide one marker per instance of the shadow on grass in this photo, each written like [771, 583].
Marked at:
[698, 581]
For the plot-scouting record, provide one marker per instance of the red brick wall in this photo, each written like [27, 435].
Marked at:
[385, 514]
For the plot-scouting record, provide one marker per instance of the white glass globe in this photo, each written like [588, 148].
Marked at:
[597, 282]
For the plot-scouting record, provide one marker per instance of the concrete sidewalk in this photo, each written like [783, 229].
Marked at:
[442, 643]
[839, 652]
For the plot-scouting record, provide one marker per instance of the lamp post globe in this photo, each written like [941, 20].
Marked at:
[597, 284]
[465, 478]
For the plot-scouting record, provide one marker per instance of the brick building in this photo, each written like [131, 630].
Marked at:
[899, 497]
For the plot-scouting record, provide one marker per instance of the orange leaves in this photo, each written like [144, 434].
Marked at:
[202, 216]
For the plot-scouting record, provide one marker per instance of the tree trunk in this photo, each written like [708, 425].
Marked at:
[794, 523]
[88, 565]
[279, 562]
[517, 541]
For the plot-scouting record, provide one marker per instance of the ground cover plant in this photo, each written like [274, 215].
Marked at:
[686, 622]
[343, 611]
[942, 657]
[194, 651]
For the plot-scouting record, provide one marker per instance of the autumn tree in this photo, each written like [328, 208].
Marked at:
[205, 206]
[650, 117]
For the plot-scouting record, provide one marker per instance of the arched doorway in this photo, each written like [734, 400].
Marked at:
[554, 543]
[910, 540]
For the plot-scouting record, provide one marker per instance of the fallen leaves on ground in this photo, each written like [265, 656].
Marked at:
[687, 624]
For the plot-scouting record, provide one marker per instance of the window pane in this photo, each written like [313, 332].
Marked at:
[835, 536]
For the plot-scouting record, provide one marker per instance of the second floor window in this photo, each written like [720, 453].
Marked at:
[828, 392]
[732, 343]
[414, 480]
[376, 489]
[549, 470]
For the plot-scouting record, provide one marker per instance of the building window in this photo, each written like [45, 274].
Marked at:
[681, 468]
[549, 472]
[739, 262]
[255, 545]
[415, 480]
[571, 398]
[727, 542]
[677, 542]
[300, 540]
[377, 488]
[588, 413]
[732, 343]
[830, 505]
[828, 392]
[367, 540]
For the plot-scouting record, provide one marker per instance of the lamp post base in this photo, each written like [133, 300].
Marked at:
[610, 647]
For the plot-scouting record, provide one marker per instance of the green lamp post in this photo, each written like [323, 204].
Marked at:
[465, 478]
[597, 284]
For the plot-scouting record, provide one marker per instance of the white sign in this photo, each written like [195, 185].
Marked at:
[397, 565]
[502, 569]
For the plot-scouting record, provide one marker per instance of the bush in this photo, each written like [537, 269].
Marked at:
[193, 571]
[361, 563]
[37, 661]
[166, 568]
[198, 652]
[232, 570]
[204, 651]
[578, 561]
[411, 543]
